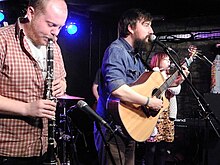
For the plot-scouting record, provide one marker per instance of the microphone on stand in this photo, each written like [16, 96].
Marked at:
[203, 58]
[154, 39]
[85, 107]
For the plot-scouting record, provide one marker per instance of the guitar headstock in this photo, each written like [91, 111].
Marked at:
[192, 50]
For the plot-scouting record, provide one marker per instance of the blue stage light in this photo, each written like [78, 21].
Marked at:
[2, 16]
[71, 28]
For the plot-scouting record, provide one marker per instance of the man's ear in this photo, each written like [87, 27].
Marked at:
[30, 13]
[131, 29]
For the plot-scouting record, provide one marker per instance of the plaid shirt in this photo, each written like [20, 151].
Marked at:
[21, 79]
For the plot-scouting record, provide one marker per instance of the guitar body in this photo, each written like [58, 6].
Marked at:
[136, 123]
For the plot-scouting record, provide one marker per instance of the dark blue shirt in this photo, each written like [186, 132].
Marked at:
[120, 66]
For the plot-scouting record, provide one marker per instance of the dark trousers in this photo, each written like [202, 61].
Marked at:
[155, 153]
[21, 160]
[125, 147]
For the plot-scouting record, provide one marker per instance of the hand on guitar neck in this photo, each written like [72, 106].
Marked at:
[181, 78]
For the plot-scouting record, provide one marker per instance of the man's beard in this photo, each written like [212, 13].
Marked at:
[142, 47]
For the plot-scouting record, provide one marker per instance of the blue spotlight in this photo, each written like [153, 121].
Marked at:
[72, 28]
[2, 16]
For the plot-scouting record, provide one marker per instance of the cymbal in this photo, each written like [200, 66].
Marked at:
[68, 97]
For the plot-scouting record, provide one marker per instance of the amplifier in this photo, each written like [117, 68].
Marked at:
[213, 100]
[190, 122]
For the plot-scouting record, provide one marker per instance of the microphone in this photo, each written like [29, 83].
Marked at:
[85, 107]
[154, 39]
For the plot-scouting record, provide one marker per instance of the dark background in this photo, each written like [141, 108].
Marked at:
[195, 142]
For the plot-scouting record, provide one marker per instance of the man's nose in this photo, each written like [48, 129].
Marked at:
[55, 31]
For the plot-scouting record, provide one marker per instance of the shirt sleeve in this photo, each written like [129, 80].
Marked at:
[175, 90]
[113, 68]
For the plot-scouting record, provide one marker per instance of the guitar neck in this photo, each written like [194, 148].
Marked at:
[171, 79]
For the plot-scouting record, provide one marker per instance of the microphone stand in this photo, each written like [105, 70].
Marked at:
[105, 142]
[73, 138]
[204, 58]
[201, 100]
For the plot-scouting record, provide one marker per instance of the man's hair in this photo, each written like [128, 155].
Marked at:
[38, 5]
[131, 17]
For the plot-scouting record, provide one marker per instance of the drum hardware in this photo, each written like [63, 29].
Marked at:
[66, 137]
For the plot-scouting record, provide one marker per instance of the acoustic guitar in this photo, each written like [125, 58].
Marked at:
[139, 121]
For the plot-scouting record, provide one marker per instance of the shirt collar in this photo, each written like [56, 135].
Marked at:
[19, 32]
[127, 46]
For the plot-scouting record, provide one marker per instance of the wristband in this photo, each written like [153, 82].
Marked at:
[146, 104]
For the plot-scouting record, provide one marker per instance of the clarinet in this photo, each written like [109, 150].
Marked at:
[50, 157]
